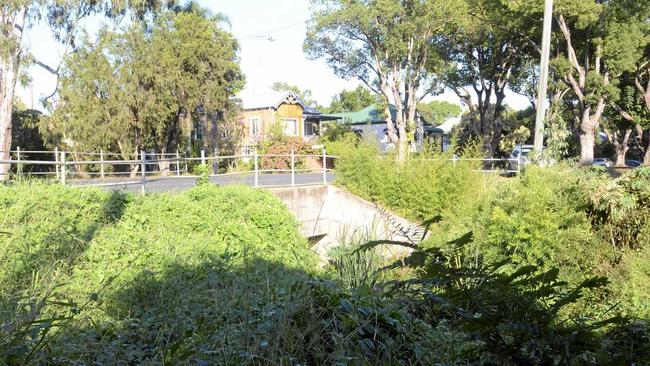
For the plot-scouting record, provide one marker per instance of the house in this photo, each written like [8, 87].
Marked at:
[370, 123]
[261, 110]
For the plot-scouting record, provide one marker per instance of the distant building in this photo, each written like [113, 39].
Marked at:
[370, 123]
[261, 110]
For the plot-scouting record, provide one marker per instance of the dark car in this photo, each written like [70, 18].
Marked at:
[633, 163]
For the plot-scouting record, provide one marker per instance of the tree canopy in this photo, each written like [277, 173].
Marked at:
[391, 46]
[351, 100]
[437, 112]
[152, 89]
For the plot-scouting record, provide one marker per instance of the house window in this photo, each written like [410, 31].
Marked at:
[310, 128]
[290, 126]
[255, 126]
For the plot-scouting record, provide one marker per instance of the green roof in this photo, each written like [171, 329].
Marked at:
[370, 114]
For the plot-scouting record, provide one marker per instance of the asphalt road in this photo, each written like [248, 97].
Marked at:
[171, 184]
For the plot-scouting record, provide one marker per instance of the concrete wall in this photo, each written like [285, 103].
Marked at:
[344, 218]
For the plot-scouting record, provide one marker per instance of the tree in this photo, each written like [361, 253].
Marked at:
[148, 88]
[351, 100]
[437, 112]
[601, 40]
[63, 16]
[487, 55]
[633, 103]
[389, 45]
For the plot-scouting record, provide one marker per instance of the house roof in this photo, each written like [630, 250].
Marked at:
[449, 124]
[266, 98]
[370, 114]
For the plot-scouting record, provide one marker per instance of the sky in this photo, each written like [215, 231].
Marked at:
[271, 35]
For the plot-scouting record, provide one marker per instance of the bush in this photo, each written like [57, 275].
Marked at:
[167, 268]
[514, 318]
[283, 147]
[426, 185]
[541, 219]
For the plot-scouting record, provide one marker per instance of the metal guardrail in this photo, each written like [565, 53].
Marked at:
[148, 166]
[173, 165]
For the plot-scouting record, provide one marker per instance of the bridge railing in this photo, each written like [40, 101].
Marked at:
[259, 170]
[111, 169]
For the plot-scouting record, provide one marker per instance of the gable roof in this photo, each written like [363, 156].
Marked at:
[370, 114]
[267, 98]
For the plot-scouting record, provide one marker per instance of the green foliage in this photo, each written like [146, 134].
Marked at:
[203, 171]
[424, 186]
[582, 222]
[621, 208]
[542, 219]
[351, 100]
[513, 318]
[437, 112]
[146, 89]
[93, 265]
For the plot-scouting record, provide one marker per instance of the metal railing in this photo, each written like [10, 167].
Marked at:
[503, 166]
[108, 169]
[100, 169]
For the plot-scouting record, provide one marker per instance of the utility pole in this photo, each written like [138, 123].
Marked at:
[543, 76]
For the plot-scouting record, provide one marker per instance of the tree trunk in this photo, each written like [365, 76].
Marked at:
[622, 148]
[587, 144]
[9, 66]
[7, 83]
[620, 158]
[402, 150]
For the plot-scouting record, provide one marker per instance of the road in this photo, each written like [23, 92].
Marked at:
[173, 183]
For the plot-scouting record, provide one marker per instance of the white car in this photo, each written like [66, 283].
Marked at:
[603, 162]
[520, 155]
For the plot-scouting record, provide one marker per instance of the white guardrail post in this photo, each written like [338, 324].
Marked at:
[63, 172]
[178, 164]
[202, 157]
[143, 172]
[519, 163]
[293, 168]
[324, 166]
[101, 165]
[257, 173]
[19, 166]
[215, 165]
[56, 160]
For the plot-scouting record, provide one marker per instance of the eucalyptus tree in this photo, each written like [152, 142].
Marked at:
[633, 102]
[491, 52]
[391, 46]
[600, 41]
[64, 18]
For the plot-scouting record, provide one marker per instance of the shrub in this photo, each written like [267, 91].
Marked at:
[514, 318]
[426, 185]
[283, 148]
[540, 219]
[620, 207]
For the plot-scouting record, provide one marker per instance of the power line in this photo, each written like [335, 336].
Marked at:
[264, 33]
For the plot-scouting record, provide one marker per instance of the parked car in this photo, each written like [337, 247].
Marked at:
[520, 154]
[633, 163]
[604, 162]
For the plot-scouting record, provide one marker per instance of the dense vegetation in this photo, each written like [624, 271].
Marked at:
[221, 276]
[582, 221]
